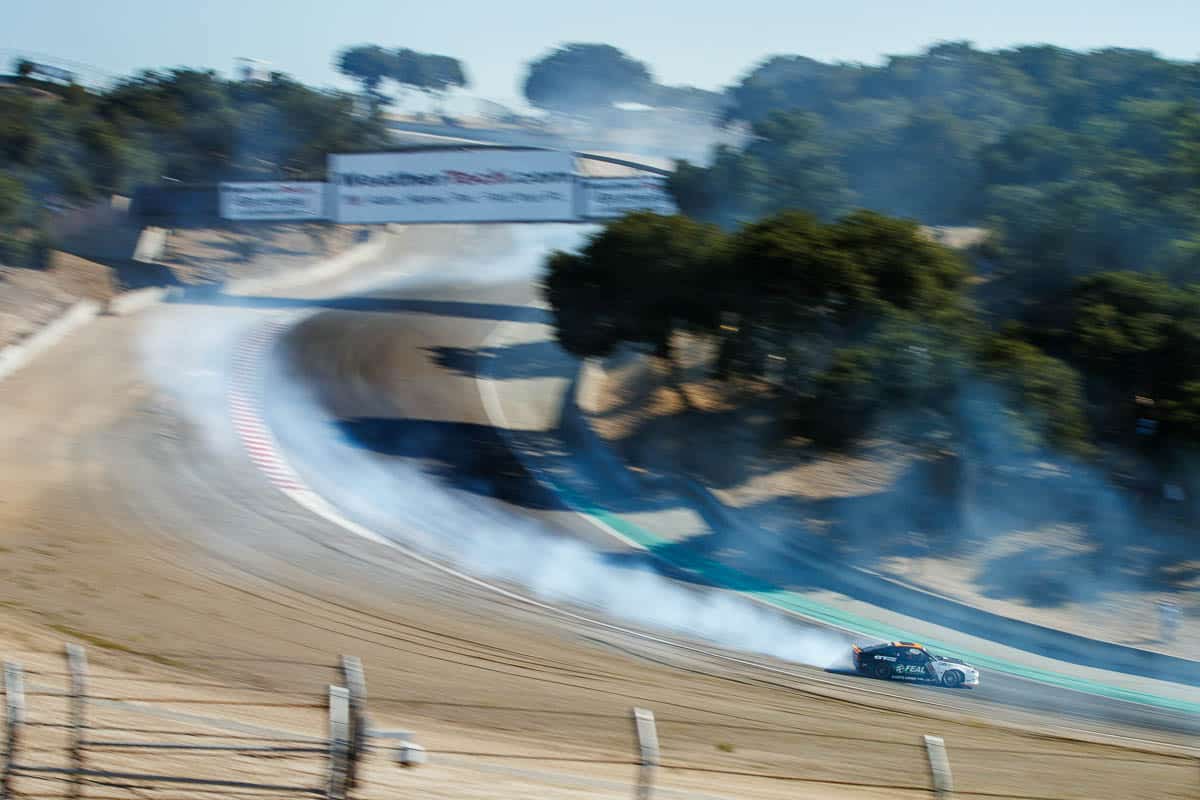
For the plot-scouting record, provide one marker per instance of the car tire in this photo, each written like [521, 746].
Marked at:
[953, 679]
[882, 670]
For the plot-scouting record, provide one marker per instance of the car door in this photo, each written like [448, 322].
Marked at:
[912, 662]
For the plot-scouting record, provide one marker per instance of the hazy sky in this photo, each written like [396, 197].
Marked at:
[685, 41]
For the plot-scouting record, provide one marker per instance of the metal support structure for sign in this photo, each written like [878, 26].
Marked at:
[646, 733]
[77, 667]
[339, 741]
[939, 767]
[356, 684]
[14, 706]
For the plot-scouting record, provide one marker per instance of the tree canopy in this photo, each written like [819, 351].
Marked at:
[371, 65]
[844, 318]
[578, 77]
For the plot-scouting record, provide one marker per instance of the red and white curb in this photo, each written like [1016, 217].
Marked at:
[246, 399]
[247, 389]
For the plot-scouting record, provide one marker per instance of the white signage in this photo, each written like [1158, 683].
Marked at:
[273, 200]
[605, 198]
[487, 185]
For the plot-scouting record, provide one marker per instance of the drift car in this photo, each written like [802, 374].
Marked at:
[912, 660]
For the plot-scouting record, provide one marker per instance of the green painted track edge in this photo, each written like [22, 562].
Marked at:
[725, 577]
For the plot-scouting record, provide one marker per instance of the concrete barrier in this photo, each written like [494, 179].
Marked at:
[322, 270]
[128, 303]
[150, 245]
[13, 357]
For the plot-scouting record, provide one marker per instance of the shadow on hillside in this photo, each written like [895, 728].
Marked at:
[212, 295]
[470, 457]
[930, 512]
[939, 506]
[542, 359]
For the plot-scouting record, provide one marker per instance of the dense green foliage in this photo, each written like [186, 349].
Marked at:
[1081, 161]
[844, 319]
[64, 144]
[638, 281]
[1084, 166]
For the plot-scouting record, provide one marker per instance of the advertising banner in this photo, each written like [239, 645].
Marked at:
[605, 198]
[486, 185]
[273, 200]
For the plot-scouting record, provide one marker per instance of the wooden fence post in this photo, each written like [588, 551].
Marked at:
[646, 733]
[339, 741]
[77, 667]
[939, 767]
[356, 683]
[14, 705]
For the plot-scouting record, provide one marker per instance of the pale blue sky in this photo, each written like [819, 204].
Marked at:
[685, 41]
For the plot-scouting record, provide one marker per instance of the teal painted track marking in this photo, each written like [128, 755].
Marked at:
[726, 577]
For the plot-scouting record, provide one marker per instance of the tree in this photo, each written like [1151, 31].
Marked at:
[368, 64]
[905, 268]
[14, 204]
[23, 67]
[578, 78]
[429, 73]
[801, 171]
[1045, 391]
[786, 167]
[638, 280]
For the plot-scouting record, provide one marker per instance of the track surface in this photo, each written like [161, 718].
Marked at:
[131, 514]
[413, 406]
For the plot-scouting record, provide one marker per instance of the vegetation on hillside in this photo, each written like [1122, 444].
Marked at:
[66, 144]
[1082, 311]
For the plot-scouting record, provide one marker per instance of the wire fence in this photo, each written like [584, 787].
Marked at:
[69, 739]
[64, 737]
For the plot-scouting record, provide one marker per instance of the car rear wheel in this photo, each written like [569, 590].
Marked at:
[882, 670]
[953, 679]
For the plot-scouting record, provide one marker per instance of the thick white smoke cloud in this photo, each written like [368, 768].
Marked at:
[188, 350]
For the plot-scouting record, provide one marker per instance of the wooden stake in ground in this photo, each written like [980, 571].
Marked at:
[14, 705]
[356, 684]
[939, 767]
[646, 733]
[77, 667]
[339, 741]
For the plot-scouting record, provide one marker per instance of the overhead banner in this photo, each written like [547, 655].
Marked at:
[487, 185]
[273, 200]
[605, 198]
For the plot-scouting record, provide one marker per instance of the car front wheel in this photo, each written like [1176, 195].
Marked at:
[883, 670]
[953, 679]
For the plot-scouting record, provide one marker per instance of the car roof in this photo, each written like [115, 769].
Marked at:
[890, 645]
